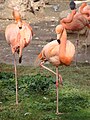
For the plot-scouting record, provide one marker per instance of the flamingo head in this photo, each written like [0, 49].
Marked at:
[59, 30]
[17, 17]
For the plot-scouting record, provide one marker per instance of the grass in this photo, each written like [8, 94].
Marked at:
[37, 93]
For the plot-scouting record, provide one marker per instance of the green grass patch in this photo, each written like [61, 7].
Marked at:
[37, 93]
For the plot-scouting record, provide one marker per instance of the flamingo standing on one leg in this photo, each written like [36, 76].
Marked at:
[57, 52]
[75, 21]
[18, 35]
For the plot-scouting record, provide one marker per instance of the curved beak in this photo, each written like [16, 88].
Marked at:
[19, 24]
[58, 38]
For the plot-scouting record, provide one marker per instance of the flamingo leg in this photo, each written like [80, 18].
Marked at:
[87, 33]
[76, 46]
[59, 76]
[15, 66]
[57, 92]
[57, 111]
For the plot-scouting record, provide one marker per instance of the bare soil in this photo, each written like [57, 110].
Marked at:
[43, 24]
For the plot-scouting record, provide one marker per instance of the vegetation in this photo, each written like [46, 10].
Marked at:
[37, 93]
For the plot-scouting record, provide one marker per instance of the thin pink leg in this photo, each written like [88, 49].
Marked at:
[16, 80]
[57, 111]
[76, 47]
[59, 76]
[87, 34]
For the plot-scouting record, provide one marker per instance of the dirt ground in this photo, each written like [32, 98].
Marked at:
[43, 24]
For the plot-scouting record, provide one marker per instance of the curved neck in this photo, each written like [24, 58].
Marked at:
[63, 45]
[69, 18]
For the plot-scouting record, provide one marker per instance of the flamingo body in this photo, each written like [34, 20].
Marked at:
[15, 36]
[75, 22]
[51, 52]
[18, 38]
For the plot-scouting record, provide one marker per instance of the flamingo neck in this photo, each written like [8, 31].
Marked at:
[63, 45]
[68, 19]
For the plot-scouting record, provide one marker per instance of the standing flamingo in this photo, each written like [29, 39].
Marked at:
[57, 52]
[75, 21]
[84, 9]
[18, 35]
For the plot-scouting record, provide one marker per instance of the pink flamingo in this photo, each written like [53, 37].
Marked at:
[18, 36]
[57, 52]
[75, 21]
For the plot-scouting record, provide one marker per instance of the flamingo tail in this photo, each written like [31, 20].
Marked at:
[38, 59]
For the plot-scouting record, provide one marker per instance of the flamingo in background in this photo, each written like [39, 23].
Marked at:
[75, 21]
[18, 36]
[57, 52]
[84, 9]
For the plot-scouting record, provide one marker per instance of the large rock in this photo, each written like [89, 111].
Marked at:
[6, 7]
[21, 4]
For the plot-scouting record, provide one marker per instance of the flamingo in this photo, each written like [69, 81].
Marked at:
[18, 36]
[84, 9]
[57, 52]
[75, 21]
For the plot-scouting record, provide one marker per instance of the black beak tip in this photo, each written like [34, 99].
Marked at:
[58, 41]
